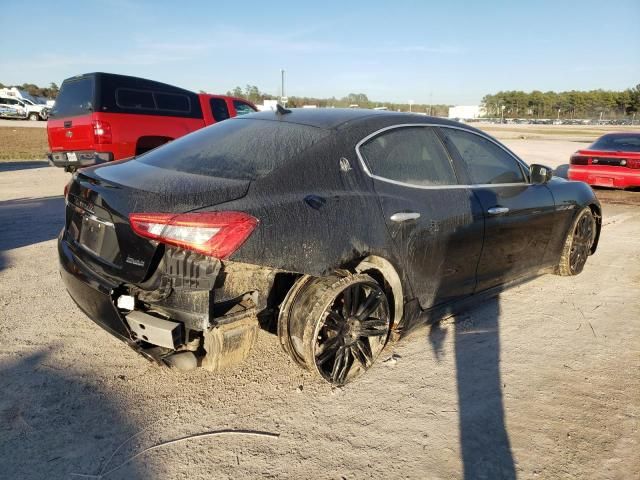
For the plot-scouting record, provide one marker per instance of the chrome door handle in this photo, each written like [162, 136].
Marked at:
[497, 210]
[404, 216]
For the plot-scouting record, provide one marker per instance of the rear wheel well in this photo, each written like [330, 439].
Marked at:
[282, 283]
[386, 275]
[144, 144]
[380, 269]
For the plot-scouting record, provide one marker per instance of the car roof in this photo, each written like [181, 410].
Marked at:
[331, 118]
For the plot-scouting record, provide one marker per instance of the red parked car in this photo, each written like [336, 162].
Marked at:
[611, 161]
[99, 117]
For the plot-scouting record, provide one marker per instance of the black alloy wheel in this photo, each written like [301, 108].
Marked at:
[583, 235]
[337, 326]
[578, 244]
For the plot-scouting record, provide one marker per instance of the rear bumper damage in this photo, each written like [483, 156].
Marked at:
[191, 303]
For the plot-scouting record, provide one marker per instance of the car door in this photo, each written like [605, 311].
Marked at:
[436, 224]
[519, 216]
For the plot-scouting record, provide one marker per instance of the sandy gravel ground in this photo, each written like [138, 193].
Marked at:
[4, 122]
[541, 383]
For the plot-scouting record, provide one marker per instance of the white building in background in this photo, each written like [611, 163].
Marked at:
[267, 105]
[466, 112]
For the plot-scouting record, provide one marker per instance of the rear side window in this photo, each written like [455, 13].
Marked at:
[242, 108]
[240, 149]
[75, 98]
[412, 155]
[486, 162]
[172, 102]
[219, 109]
[139, 99]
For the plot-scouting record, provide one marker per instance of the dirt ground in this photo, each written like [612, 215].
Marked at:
[540, 383]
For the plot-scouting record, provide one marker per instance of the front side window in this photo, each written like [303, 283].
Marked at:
[412, 155]
[486, 162]
[242, 108]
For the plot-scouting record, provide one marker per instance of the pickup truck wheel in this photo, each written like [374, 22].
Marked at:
[34, 117]
[337, 326]
[577, 246]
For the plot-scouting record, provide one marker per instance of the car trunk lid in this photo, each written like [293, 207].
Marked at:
[99, 203]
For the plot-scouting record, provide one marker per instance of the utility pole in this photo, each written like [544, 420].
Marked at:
[282, 87]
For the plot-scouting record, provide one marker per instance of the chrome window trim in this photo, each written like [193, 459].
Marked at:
[365, 167]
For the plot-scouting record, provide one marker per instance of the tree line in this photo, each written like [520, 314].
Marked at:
[50, 92]
[253, 94]
[516, 103]
[571, 104]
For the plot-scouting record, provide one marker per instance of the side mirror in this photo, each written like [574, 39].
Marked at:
[540, 173]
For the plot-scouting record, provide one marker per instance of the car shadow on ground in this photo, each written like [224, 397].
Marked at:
[26, 165]
[55, 422]
[27, 221]
[484, 442]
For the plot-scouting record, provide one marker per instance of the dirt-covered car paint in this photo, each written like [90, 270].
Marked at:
[320, 212]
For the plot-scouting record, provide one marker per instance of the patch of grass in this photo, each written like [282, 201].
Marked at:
[22, 143]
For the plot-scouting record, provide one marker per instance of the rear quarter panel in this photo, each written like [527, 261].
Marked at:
[314, 216]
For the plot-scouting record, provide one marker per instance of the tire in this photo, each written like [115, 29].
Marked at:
[34, 117]
[335, 326]
[577, 246]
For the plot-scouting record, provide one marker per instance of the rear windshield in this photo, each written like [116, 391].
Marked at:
[242, 149]
[75, 98]
[618, 143]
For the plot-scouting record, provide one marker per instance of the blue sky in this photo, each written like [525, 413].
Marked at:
[444, 51]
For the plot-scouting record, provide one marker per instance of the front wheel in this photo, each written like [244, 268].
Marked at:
[34, 117]
[577, 246]
[335, 326]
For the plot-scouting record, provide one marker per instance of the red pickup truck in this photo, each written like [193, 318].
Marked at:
[99, 117]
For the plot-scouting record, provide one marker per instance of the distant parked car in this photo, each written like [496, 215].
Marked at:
[11, 108]
[36, 111]
[611, 161]
[337, 225]
[99, 117]
[25, 108]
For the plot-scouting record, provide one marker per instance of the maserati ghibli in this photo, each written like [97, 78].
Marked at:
[335, 230]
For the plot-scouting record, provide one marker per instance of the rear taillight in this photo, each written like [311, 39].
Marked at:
[217, 234]
[579, 160]
[101, 131]
[633, 163]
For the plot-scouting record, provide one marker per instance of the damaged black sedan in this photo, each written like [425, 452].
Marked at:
[336, 229]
